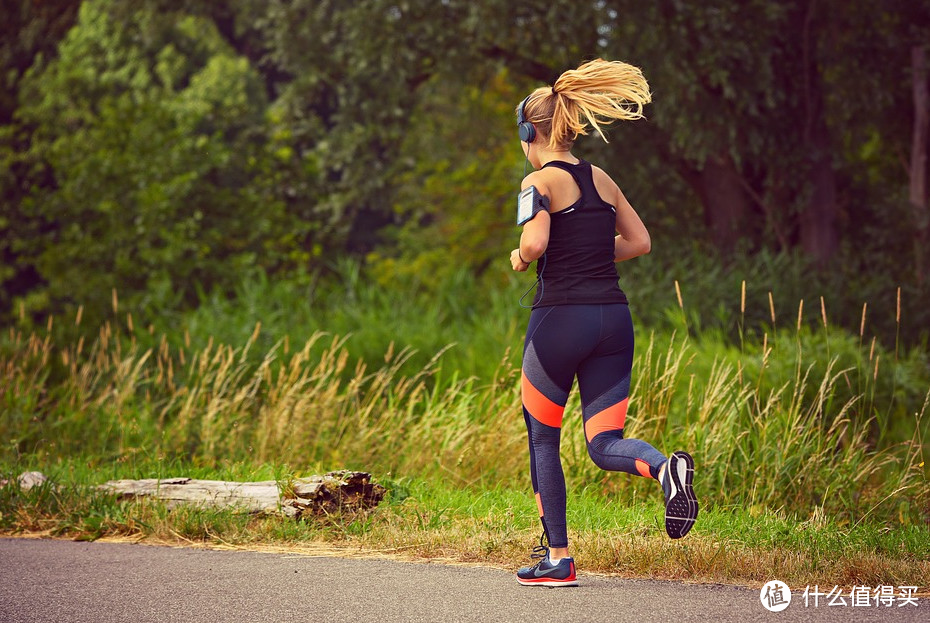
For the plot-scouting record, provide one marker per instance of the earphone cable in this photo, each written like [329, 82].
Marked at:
[539, 282]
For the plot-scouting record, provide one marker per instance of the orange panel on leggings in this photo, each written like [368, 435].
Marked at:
[541, 408]
[611, 418]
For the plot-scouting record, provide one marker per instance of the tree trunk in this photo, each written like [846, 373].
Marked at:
[918, 168]
[819, 235]
[725, 202]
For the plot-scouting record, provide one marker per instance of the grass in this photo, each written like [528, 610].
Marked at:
[810, 439]
[773, 427]
[434, 520]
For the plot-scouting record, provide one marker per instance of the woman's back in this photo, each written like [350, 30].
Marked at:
[578, 267]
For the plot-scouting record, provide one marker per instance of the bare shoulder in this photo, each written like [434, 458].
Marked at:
[531, 180]
[601, 178]
[541, 179]
[606, 187]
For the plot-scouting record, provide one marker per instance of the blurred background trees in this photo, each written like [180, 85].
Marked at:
[167, 149]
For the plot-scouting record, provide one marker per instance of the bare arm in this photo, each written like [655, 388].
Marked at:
[633, 239]
[535, 236]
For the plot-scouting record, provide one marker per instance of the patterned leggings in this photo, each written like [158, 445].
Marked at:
[594, 343]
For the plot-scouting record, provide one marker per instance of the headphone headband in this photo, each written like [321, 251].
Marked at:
[525, 129]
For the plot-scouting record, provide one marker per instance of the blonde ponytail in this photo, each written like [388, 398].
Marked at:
[597, 93]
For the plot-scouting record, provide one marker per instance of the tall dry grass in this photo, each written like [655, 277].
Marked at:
[802, 421]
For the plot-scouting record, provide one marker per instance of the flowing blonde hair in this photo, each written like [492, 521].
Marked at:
[597, 93]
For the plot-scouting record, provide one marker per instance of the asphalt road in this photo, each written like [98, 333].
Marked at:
[65, 581]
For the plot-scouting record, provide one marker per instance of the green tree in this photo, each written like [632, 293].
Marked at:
[349, 77]
[151, 130]
[764, 109]
[290, 131]
[32, 30]
[455, 205]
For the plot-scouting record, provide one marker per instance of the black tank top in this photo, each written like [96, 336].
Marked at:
[578, 266]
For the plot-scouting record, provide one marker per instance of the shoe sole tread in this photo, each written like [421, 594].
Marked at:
[682, 510]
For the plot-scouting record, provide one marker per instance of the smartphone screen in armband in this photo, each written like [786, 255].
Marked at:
[529, 204]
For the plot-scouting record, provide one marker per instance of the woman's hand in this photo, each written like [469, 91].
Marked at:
[518, 264]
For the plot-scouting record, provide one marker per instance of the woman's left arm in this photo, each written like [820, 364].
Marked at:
[535, 236]
[633, 239]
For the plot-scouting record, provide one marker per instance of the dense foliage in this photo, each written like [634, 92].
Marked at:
[163, 149]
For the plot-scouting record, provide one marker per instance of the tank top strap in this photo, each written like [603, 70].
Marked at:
[582, 175]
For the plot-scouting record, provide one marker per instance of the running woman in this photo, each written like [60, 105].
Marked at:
[580, 325]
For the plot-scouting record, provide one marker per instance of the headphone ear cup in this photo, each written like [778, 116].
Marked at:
[527, 132]
[525, 129]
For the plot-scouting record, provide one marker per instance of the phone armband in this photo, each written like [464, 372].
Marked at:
[529, 204]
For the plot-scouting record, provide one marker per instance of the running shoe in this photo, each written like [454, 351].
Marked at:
[681, 506]
[544, 573]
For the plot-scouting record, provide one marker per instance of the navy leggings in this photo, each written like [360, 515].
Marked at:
[594, 343]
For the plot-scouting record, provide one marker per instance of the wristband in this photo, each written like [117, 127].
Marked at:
[521, 257]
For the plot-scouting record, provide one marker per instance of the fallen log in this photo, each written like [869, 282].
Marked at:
[249, 496]
[340, 491]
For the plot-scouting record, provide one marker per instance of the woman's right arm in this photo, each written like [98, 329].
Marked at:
[535, 236]
[633, 239]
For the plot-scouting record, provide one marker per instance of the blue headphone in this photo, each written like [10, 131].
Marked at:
[525, 128]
